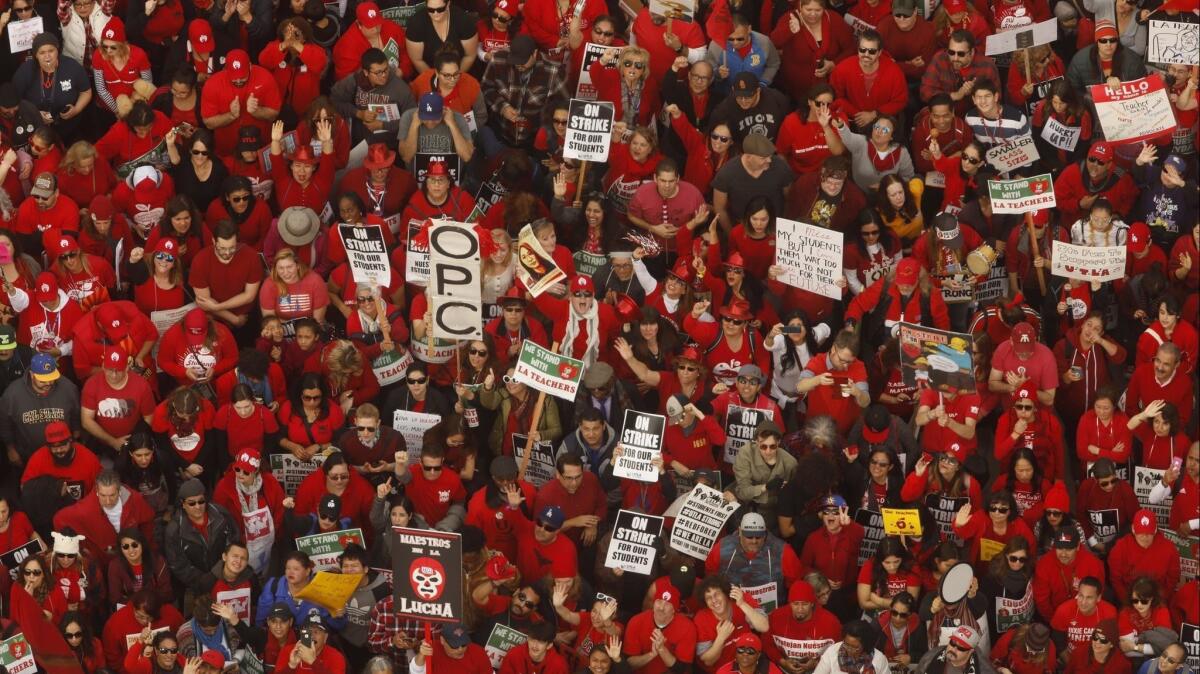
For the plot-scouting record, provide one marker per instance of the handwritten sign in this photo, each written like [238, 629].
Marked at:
[331, 590]
[20, 37]
[1013, 154]
[1022, 195]
[412, 425]
[1087, 263]
[811, 257]
[641, 443]
[1174, 42]
[1022, 38]
[901, 521]
[1135, 111]
[700, 520]
[585, 90]
[1060, 135]
[589, 130]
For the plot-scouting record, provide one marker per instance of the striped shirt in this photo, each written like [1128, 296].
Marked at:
[992, 132]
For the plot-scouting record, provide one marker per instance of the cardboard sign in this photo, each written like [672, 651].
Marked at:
[1187, 548]
[1013, 154]
[427, 573]
[366, 253]
[455, 290]
[238, 600]
[641, 443]
[700, 520]
[1105, 523]
[331, 591]
[901, 521]
[17, 656]
[1189, 636]
[872, 524]
[943, 509]
[412, 425]
[416, 256]
[490, 193]
[535, 267]
[13, 558]
[1136, 111]
[634, 542]
[1022, 38]
[422, 160]
[391, 366]
[541, 459]
[936, 359]
[1088, 263]
[324, 549]
[291, 471]
[810, 256]
[21, 34]
[1022, 195]
[680, 10]
[500, 642]
[549, 372]
[1170, 42]
[740, 423]
[585, 90]
[589, 130]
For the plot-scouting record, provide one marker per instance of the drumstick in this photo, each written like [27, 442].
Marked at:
[1033, 248]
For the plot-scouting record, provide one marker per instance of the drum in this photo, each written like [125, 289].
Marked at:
[980, 260]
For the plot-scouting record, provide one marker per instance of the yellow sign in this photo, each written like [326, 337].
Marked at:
[989, 548]
[901, 521]
[332, 591]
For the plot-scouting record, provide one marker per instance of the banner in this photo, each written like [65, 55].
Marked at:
[17, 656]
[1088, 263]
[490, 193]
[1189, 636]
[1060, 135]
[1013, 612]
[1022, 195]
[589, 131]
[546, 371]
[872, 524]
[700, 520]
[422, 160]
[1022, 38]
[455, 290]
[535, 268]
[938, 359]
[21, 34]
[332, 591]
[811, 257]
[585, 90]
[427, 570]
[634, 542]
[740, 423]
[366, 253]
[541, 459]
[391, 366]
[1170, 42]
[1144, 480]
[1187, 547]
[238, 600]
[412, 425]
[587, 263]
[13, 558]
[416, 256]
[291, 471]
[1013, 154]
[641, 443]
[1136, 111]
[324, 549]
[901, 521]
[441, 351]
[500, 642]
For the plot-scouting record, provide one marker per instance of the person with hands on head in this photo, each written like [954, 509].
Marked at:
[454, 649]
[1158, 430]
[729, 614]
[690, 437]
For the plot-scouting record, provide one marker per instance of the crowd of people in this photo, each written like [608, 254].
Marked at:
[194, 376]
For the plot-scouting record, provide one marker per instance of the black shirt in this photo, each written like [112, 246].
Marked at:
[420, 29]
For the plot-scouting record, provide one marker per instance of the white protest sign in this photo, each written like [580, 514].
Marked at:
[291, 471]
[683, 10]
[416, 256]
[740, 423]
[366, 253]
[1086, 263]
[1013, 154]
[1144, 480]
[456, 294]
[541, 459]
[1022, 38]
[412, 425]
[700, 520]
[634, 542]
[589, 131]
[585, 90]
[811, 257]
[1135, 111]
[1060, 135]
[21, 33]
[1174, 42]
[1023, 194]
[390, 366]
[641, 443]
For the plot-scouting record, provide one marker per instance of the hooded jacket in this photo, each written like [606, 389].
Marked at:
[192, 556]
[87, 516]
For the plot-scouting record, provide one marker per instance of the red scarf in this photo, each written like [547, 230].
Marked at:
[885, 162]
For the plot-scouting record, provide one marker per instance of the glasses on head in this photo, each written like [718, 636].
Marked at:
[417, 381]
[192, 503]
[69, 256]
[746, 650]
[338, 477]
[73, 635]
[437, 10]
[633, 64]
[31, 573]
[168, 650]
[1017, 559]
[199, 153]
[164, 257]
[972, 159]
[477, 352]
[432, 469]
[1107, 40]
[959, 52]
[131, 545]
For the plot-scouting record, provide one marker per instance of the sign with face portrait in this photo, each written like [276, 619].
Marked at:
[427, 575]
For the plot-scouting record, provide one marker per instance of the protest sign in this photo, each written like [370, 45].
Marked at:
[901, 521]
[1041, 90]
[811, 257]
[416, 256]
[366, 253]
[541, 459]
[1187, 548]
[1088, 263]
[1144, 480]
[700, 520]
[291, 471]
[1172, 42]
[872, 524]
[1013, 154]
[1013, 612]
[549, 372]
[740, 423]
[422, 160]
[641, 443]
[427, 567]
[943, 509]
[412, 425]
[21, 34]
[490, 193]
[248, 662]
[131, 639]
[1023, 194]
[1105, 523]
[500, 642]
[587, 263]
[331, 590]
[13, 558]
[391, 366]
[237, 599]
[402, 13]
[441, 351]
[634, 542]
[535, 268]
[1189, 636]
[680, 10]
[1060, 135]
[585, 90]
[324, 549]
[16, 655]
[938, 359]
[156, 156]
[1137, 110]
[289, 146]
[1024, 37]
[589, 130]
[456, 295]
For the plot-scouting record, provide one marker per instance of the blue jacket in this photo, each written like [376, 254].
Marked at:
[276, 590]
[762, 60]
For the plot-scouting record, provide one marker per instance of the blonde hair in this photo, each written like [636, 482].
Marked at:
[500, 237]
[79, 151]
[284, 254]
[343, 361]
[638, 52]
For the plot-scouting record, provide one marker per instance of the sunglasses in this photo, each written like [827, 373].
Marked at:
[748, 380]
[501, 19]
[958, 52]
[868, 50]
[882, 464]
[69, 256]
[22, 10]
[239, 199]
[431, 469]
[560, 122]
[1026, 408]
[417, 381]
[972, 159]
[310, 398]
[1141, 601]
[1093, 160]
[200, 153]
[133, 545]
[1100, 639]
[717, 136]
[366, 429]
[634, 64]
[734, 321]
[195, 502]
[31, 572]
[1018, 559]
[164, 257]
[477, 352]
[581, 294]
[73, 635]
[687, 368]
[603, 33]
[67, 555]
[746, 650]
[1054, 513]
[547, 528]
[338, 477]
[901, 614]
[436, 10]
[1107, 483]
[509, 379]
[999, 509]
[168, 651]
[364, 300]
[1107, 40]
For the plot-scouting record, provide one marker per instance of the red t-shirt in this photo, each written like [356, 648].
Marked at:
[1041, 368]
[243, 433]
[118, 410]
[680, 636]
[433, 498]
[557, 558]
[934, 437]
[322, 431]
[224, 281]
[301, 300]
[828, 399]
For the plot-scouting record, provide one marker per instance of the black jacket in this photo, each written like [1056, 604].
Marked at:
[192, 557]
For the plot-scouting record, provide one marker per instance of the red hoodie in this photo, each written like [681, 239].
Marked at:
[176, 356]
[1129, 561]
[1105, 514]
[887, 95]
[1044, 436]
[1055, 583]
[122, 624]
[227, 496]
[101, 541]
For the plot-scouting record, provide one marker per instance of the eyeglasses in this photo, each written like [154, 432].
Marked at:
[959, 52]
[477, 352]
[1017, 559]
[901, 614]
[972, 159]
[717, 136]
[195, 502]
[69, 256]
[560, 122]
[1141, 601]
[1107, 40]
[633, 64]
[168, 650]
[338, 477]
[501, 19]
[882, 128]
[437, 10]
[417, 381]
[431, 469]
[164, 257]
[132, 545]
[748, 380]
[746, 650]
[1107, 483]
[73, 635]
[240, 198]
[1099, 638]
[882, 464]
[868, 50]
[451, 76]
[366, 429]
[199, 153]
[31, 572]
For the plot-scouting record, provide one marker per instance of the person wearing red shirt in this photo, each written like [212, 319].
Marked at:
[814, 39]
[346, 372]
[1163, 379]
[368, 30]
[1170, 327]
[313, 654]
[665, 41]
[307, 180]
[383, 187]
[86, 278]
[943, 489]
[1140, 255]
[1103, 431]
[1144, 610]
[198, 349]
[437, 494]
[988, 532]
[955, 412]
[802, 629]
[868, 85]
[227, 275]
[254, 498]
[1102, 655]
[580, 496]
[1104, 506]
[833, 550]
[46, 316]
[1027, 424]
[1081, 183]
[1075, 618]
[728, 613]
[1026, 650]
[1185, 266]
[904, 302]
[1185, 603]
[705, 155]
[542, 552]
[297, 64]
[1084, 356]
[806, 140]
[337, 478]
[746, 393]
[586, 328]
[143, 610]
[92, 514]
[1056, 577]
[138, 133]
[909, 38]
[660, 639]
[620, 75]
[45, 209]
[114, 322]
[1024, 359]
[537, 655]
[241, 94]
[61, 458]
[503, 508]
[1143, 553]
[690, 437]
[113, 402]
[836, 382]
[1158, 430]
[118, 85]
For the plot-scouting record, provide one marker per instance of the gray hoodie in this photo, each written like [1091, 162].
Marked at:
[349, 97]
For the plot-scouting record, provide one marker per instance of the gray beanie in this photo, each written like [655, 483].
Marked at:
[43, 39]
[191, 489]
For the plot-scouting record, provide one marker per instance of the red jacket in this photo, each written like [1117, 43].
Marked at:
[300, 82]
[1055, 583]
[356, 501]
[888, 95]
[271, 495]
[517, 661]
[897, 311]
[1075, 398]
[83, 469]
[1184, 336]
[1091, 432]
[347, 53]
[1129, 561]
[329, 661]
[796, 71]
[90, 340]
[1092, 498]
[608, 88]
[1044, 436]
[122, 623]
[86, 516]
[835, 555]
[174, 354]
[288, 192]
[979, 527]
[1016, 659]
[1069, 188]
[1081, 662]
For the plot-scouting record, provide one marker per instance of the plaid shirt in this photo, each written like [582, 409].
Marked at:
[527, 92]
[941, 77]
[385, 625]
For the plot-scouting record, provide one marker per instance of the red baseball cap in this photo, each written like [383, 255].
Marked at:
[747, 639]
[1102, 151]
[954, 6]
[167, 246]
[1139, 238]
[583, 284]
[46, 287]
[56, 432]
[368, 15]
[499, 569]
[238, 63]
[1023, 339]
[908, 271]
[200, 35]
[195, 327]
[1145, 522]
[669, 595]
[115, 358]
[213, 659]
